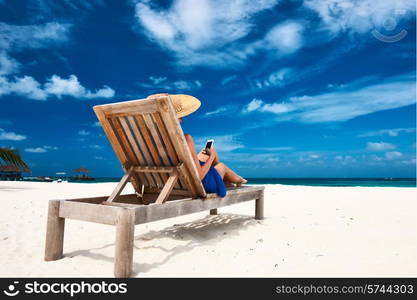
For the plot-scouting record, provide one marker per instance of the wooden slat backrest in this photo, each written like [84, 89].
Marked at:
[155, 140]
[138, 179]
[145, 133]
[148, 152]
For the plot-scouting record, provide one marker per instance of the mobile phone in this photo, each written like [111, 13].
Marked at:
[209, 144]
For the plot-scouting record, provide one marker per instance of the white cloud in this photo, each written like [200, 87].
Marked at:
[56, 86]
[286, 37]
[228, 79]
[50, 147]
[32, 36]
[218, 33]
[277, 108]
[83, 132]
[393, 155]
[24, 86]
[389, 132]
[36, 150]
[17, 37]
[379, 146]
[215, 112]
[222, 143]
[345, 159]
[68, 87]
[42, 149]
[178, 85]
[253, 160]
[28, 86]
[157, 80]
[361, 97]
[72, 87]
[105, 92]
[211, 33]
[254, 105]
[319, 160]
[360, 16]
[285, 76]
[8, 65]
[277, 78]
[274, 149]
[411, 161]
[261, 106]
[47, 9]
[197, 26]
[96, 124]
[223, 110]
[185, 85]
[50, 32]
[11, 136]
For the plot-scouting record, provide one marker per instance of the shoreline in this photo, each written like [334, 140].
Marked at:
[256, 184]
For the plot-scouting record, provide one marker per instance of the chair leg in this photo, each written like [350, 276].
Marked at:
[120, 186]
[169, 185]
[54, 243]
[259, 208]
[213, 211]
[125, 231]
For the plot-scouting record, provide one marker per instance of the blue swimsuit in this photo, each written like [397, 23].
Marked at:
[212, 182]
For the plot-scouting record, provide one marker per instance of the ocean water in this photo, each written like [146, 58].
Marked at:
[369, 182]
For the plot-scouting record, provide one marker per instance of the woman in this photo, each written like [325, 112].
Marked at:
[214, 174]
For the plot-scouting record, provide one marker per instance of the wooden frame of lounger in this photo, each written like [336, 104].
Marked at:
[149, 142]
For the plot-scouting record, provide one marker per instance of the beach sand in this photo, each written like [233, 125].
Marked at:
[307, 232]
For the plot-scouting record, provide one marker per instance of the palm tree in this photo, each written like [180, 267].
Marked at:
[12, 157]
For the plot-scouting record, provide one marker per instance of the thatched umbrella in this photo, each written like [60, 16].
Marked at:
[82, 172]
[9, 156]
[13, 169]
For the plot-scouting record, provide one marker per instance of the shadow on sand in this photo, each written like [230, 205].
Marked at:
[209, 230]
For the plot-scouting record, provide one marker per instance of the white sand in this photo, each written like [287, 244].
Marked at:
[308, 232]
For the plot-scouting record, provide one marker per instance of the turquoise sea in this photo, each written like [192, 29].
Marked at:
[379, 182]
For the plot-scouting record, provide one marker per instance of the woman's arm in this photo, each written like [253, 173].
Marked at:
[202, 170]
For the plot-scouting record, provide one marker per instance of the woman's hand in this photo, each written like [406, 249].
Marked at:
[211, 152]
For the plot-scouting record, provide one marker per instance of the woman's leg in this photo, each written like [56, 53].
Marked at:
[222, 172]
[235, 178]
[228, 175]
[228, 183]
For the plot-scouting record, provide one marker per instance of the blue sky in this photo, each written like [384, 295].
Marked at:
[289, 88]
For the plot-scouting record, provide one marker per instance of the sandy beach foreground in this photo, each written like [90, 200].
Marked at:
[308, 232]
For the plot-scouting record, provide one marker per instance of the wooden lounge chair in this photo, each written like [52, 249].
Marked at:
[149, 142]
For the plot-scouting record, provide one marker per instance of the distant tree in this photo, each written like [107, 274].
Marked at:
[12, 157]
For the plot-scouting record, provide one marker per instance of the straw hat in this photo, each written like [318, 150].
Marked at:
[183, 104]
